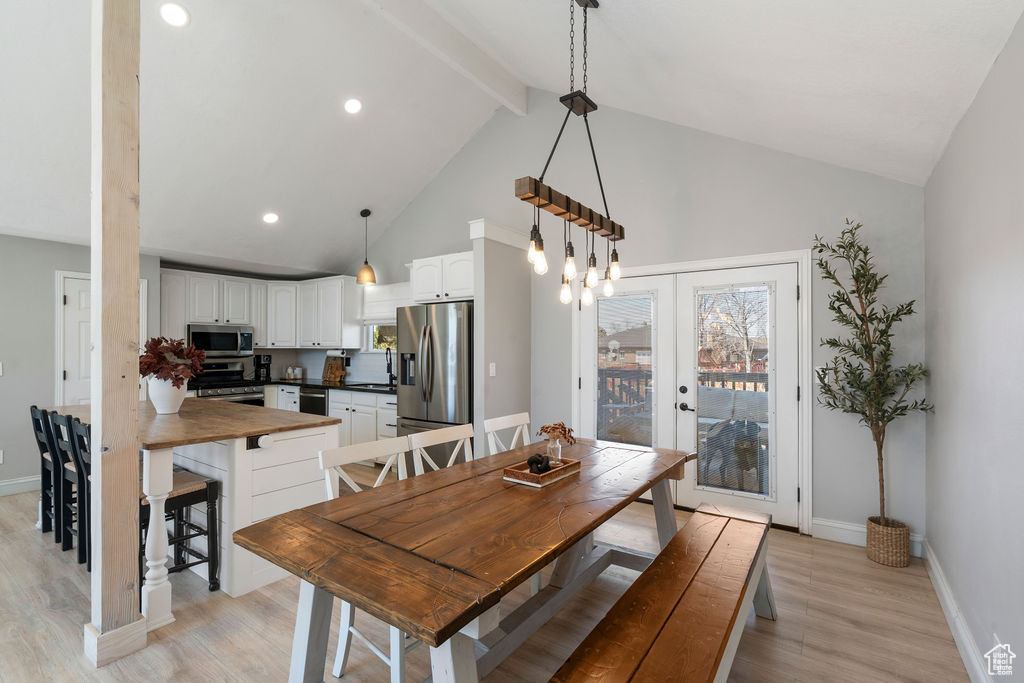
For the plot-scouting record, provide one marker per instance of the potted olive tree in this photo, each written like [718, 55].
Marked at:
[861, 379]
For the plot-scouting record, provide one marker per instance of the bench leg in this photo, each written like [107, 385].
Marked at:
[454, 661]
[664, 512]
[764, 601]
[312, 630]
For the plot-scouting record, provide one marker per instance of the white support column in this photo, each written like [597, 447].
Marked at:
[157, 478]
[116, 628]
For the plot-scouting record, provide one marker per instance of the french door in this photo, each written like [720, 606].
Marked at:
[706, 362]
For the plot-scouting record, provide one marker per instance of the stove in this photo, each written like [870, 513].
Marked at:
[228, 380]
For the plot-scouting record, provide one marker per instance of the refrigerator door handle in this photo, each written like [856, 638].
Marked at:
[430, 361]
[420, 366]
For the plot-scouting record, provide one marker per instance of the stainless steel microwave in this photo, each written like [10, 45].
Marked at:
[221, 340]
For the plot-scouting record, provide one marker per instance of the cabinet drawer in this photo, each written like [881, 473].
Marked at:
[387, 402]
[285, 476]
[339, 397]
[284, 500]
[386, 424]
[360, 398]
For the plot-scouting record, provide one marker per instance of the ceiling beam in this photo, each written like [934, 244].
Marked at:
[428, 28]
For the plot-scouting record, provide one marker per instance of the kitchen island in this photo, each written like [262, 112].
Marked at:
[266, 461]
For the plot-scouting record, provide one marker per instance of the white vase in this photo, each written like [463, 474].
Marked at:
[166, 397]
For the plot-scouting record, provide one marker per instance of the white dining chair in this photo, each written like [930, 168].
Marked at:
[461, 436]
[520, 437]
[331, 463]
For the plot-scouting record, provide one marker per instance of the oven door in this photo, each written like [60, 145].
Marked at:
[215, 340]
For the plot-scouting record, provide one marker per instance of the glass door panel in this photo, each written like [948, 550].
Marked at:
[625, 396]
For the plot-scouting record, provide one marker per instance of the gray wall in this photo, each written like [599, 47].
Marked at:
[974, 281]
[682, 195]
[27, 284]
[501, 329]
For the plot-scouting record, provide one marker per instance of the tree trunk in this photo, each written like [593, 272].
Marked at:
[879, 441]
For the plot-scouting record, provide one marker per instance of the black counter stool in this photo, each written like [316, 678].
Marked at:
[74, 501]
[49, 492]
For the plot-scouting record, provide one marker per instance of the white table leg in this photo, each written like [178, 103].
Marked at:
[569, 563]
[312, 630]
[454, 661]
[664, 512]
[764, 600]
[156, 589]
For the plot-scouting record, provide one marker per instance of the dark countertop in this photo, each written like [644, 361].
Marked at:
[320, 384]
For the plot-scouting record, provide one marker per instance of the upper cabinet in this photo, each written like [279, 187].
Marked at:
[203, 298]
[259, 314]
[330, 313]
[282, 314]
[381, 301]
[237, 301]
[441, 278]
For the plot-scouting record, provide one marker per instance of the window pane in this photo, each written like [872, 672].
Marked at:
[624, 373]
[733, 403]
[383, 337]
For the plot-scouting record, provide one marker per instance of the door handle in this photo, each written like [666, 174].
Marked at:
[430, 361]
[683, 406]
[420, 365]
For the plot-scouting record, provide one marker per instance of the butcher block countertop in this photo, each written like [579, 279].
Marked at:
[202, 421]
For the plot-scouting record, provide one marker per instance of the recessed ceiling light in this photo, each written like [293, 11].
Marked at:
[174, 14]
[353, 106]
[270, 218]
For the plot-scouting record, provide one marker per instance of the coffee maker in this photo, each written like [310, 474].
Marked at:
[261, 362]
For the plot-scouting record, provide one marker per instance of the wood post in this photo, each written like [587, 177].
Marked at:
[116, 628]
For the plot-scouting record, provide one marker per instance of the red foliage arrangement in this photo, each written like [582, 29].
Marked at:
[558, 431]
[171, 359]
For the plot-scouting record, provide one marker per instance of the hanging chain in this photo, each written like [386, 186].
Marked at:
[572, 45]
[584, 50]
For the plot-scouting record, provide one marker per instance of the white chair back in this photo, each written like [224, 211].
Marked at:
[521, 437]
[332, 460]
[461, 436]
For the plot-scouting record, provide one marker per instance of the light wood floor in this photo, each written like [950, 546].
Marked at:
[841, 618]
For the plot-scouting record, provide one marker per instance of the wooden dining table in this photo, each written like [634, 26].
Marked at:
[434, 554]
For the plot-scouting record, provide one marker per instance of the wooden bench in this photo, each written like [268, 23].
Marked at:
[682, 618]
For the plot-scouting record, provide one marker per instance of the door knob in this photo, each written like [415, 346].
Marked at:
[683, 389]
[683, 406]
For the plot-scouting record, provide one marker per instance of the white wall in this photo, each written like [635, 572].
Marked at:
[683, 194]
[974, 283]
[27, 336]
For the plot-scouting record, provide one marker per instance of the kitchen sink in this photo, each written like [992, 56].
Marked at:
[370, 385]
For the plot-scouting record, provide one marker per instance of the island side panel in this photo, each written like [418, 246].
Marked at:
[256, 484]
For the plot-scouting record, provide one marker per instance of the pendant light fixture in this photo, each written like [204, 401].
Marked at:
[541, 196]
[608, 289]
[366, 276]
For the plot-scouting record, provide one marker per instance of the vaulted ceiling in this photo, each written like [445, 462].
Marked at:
[242, 109]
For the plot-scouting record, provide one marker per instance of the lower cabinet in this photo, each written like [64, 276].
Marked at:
[364, 416]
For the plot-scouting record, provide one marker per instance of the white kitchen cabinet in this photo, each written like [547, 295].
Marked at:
[443, 278]
[259, 314]
[364, 424]
[282, 314]
[309, 327]
[288, 398]
[381, 301]
[339, 404]
[204, 298]
[330, 309]
[236, 301]
[173, 303]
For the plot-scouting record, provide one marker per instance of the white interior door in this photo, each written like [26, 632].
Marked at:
[737, 401]
[627, 363]
[74, 370]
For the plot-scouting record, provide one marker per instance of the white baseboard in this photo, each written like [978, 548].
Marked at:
[974, 661]
[854, 534]
[9, 487]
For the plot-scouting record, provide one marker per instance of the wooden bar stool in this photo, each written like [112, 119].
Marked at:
[75, 507]
[331, 462]
[65, 481]
[49, 503]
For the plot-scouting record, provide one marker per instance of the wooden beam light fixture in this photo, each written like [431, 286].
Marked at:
[534, 191]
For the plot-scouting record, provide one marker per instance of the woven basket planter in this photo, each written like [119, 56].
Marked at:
[890, 544]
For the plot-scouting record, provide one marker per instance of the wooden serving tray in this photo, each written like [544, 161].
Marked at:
[520, 473]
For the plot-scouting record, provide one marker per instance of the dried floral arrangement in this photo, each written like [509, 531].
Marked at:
[558, 430]
[170, 359]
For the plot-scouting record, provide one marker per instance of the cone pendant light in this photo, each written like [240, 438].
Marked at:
[366, 276]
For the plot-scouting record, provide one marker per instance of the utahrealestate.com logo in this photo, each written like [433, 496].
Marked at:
[1000, 660]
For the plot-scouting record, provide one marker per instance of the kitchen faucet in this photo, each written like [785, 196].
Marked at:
[390, 369]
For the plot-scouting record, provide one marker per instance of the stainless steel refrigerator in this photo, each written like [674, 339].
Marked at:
[435, 366]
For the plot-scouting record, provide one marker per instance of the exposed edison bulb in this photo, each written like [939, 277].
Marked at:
[569, 270]
[591, 278]
[540, 262]
[565, 295]
[614, 270]
[608, 289]
[587, 297]
[531, 251]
